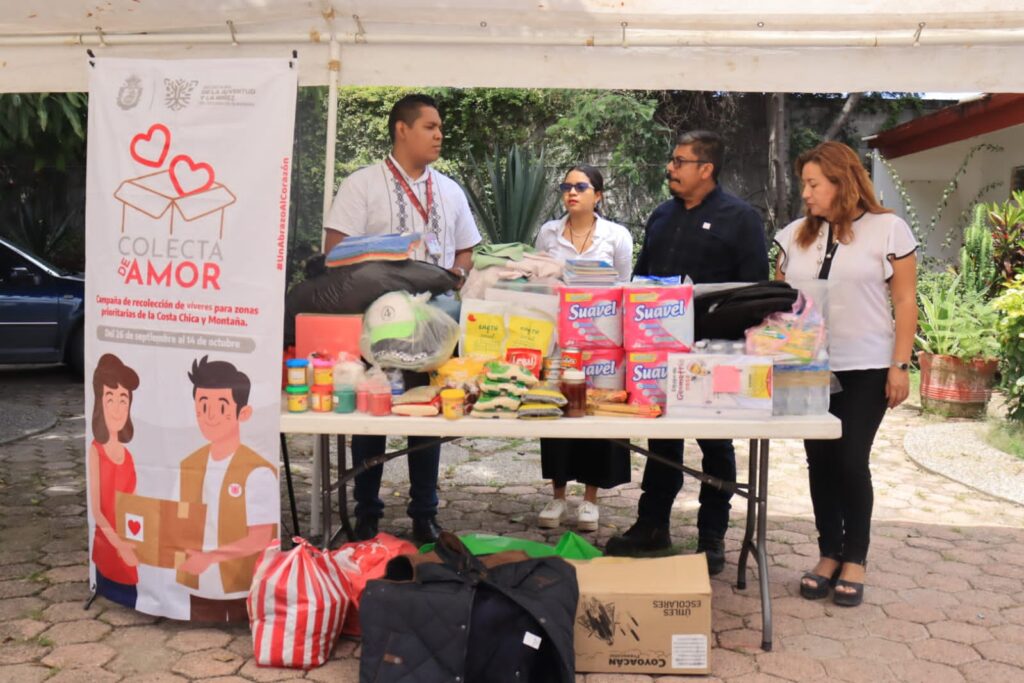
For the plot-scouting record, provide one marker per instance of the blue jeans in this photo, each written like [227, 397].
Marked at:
[423, 467]
[661, 484]
[121, 593]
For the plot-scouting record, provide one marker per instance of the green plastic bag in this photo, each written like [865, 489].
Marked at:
[570, 546]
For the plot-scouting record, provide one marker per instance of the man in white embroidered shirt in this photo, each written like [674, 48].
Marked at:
[403, 194]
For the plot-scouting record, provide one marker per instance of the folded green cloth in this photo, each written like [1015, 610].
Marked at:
[489, 255]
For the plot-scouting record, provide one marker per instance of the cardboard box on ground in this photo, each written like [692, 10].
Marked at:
[650, 616]
[160, 530]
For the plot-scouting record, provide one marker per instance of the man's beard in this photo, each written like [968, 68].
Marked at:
[671, 191]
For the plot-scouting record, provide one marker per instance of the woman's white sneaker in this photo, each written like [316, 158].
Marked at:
[587, 516]
[551, 515]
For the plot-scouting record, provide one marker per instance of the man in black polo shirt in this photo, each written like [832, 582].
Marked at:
[711, 236]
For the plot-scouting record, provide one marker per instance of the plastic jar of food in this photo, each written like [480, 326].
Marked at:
[453, 403]
[380, 403]
[323, 372]
[297, 371]
[363, 397]
[574, 388]
[344, 399]
[322, 399]
[298, 398]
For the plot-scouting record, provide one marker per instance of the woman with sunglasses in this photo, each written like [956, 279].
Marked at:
[582, 233]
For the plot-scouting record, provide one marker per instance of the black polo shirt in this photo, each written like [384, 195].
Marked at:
[720, 240]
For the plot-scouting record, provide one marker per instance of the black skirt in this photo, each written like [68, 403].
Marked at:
[594, 462]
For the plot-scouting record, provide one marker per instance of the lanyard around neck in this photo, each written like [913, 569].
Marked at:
[424, 212]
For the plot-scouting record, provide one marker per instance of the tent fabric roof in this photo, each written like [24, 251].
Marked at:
[751, 45]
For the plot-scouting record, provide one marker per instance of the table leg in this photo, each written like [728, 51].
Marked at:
[325, 487]
[748, 534]
[762, 548]
[346, 523]
[291, 487]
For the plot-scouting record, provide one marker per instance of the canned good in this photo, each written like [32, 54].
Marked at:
[323, 372]
[572, 358]
[322, 399]
[453, 403]
[297, 371]
[298, 398]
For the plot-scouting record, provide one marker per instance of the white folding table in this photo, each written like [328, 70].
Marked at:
[620, 429]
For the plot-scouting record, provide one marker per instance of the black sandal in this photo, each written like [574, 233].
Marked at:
[854, 597]
[821, 584]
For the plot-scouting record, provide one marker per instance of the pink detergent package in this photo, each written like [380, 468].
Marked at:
[646, 377]
[658, 317]
[590, 317]
[604, 368]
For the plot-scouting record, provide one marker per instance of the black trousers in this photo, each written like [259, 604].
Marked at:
[661, 484]
[839, 470]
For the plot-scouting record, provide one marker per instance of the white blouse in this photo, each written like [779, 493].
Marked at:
[611, 242]
[860, 321]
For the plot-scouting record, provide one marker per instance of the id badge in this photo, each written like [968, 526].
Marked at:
[432, 244]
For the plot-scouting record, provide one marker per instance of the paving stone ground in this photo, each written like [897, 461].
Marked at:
[943, 602]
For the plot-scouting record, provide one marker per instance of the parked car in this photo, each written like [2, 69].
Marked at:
[41, 310]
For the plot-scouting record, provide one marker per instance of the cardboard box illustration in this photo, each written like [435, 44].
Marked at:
[650, 616]
[154, 196]
[160, 530]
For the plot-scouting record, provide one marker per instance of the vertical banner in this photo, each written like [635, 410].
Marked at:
[188, 173]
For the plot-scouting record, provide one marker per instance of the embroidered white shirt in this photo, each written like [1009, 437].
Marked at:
[372, 201]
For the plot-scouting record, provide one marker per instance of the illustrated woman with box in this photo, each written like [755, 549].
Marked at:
[867, 254]
[583, 234]
[112, 470]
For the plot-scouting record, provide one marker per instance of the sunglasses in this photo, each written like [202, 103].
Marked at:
[579, 187]
[677, 162]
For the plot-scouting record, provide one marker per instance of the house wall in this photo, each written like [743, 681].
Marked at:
[927, 174]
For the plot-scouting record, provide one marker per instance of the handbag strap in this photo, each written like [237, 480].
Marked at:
[454, 554]
[826, 263]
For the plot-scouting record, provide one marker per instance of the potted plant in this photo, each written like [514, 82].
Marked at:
[958, 348]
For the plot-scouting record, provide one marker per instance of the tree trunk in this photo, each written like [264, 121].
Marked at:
[844, 115]
[778, 163]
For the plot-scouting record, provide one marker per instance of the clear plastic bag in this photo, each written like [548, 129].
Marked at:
[793, 337]
[404, 331]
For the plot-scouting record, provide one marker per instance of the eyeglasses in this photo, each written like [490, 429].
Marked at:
[677, 162]
[579, 187]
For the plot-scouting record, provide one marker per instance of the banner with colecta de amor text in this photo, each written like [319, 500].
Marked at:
[188, 180]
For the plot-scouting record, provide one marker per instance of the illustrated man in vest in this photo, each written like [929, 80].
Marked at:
[236, 485]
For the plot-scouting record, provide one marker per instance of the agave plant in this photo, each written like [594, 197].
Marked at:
[511, 195]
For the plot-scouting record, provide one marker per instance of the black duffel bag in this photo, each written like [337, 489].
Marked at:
[728, 313]
[448, 616]
[351, 289]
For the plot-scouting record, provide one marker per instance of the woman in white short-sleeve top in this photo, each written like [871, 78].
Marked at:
[583, 233]
[867, 254]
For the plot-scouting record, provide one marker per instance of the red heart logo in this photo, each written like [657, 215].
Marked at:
[150, 148]
[189, 177]
[134, 526]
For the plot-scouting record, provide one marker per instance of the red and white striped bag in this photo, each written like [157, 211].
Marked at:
[297, 605]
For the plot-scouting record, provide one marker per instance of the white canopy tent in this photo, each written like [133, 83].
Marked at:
[742, 45]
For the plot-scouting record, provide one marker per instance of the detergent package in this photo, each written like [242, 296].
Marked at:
[590, 317]
[604, 368]
[646, 377]
[658, 317]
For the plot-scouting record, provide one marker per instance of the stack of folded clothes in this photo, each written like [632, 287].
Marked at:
[362, 248]
[502, 390]
[589, 272]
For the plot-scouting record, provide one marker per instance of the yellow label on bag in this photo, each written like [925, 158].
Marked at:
[529, 333]
[485, 335]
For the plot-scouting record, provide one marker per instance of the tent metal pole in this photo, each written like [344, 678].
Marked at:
[334, 67]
